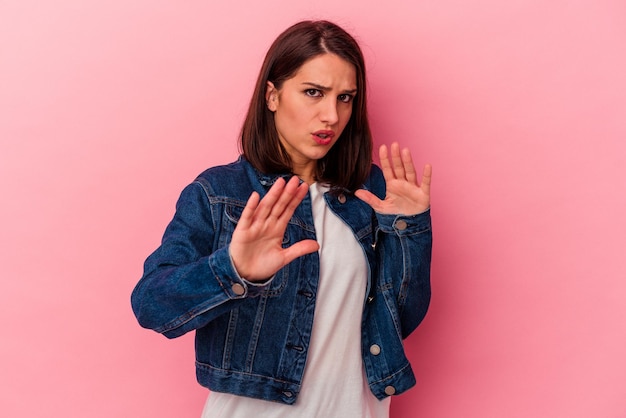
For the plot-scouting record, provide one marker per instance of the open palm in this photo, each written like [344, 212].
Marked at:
[256, 247]
[405, 196]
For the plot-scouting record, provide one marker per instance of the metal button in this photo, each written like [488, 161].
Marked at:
[390, 390]
[401, 225]
[341, 198]
[238, 289]
[375, 349]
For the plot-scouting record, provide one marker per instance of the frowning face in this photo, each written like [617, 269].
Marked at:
[311, 110]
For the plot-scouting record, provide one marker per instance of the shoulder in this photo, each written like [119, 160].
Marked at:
[234, 180]
[236, 168]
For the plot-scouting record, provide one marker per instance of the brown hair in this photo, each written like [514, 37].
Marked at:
[348, 162]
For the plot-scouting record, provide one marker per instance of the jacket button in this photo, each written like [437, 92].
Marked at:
[390, 390]
[401, 225]
[238, 289]
[375, 349]
[341, 198]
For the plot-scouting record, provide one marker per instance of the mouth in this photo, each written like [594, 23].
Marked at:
[323, 137]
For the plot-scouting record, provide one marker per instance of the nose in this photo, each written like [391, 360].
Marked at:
[328, 112]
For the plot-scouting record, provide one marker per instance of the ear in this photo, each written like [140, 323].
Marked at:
[271, 95]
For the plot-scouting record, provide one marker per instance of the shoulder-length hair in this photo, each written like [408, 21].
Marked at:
[348, 163]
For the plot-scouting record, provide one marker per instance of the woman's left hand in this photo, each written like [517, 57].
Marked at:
[404, 195]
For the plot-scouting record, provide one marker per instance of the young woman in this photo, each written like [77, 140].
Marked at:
[301, 266]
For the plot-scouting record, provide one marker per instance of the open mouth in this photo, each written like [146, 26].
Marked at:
[323, 138]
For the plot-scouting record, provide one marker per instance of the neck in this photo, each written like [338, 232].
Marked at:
[306, 173]
[308, 179]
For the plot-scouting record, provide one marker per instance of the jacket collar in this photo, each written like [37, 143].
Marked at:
[265, 179]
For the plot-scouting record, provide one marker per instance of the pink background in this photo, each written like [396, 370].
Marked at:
[108, 109]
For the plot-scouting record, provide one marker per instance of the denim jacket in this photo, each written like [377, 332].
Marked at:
[252, 339]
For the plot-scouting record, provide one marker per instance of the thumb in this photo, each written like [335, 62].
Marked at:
[368, 197]
[299, 249]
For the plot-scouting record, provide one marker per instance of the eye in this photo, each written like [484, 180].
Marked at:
[345, 98]
[313, 92]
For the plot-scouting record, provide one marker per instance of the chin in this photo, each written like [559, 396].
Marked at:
[318, 155]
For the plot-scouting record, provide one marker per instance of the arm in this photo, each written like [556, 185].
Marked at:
[404, 250]
[187, 283]
[404, 237]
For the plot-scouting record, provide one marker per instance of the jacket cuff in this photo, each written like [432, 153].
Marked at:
[404, 224]
[235, 286]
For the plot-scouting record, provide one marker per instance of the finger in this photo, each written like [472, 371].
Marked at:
[299, 249]
[296, 199]
[287, 195]
[396, 161]
[385, 164]
[409, 168]
[267, 202]
[248, 211]
[426, 179]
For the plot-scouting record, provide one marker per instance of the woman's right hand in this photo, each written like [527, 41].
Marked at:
[256, 247]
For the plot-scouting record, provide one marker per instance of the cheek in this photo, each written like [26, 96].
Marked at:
[343, 121]
[346, 114]
[291, 112]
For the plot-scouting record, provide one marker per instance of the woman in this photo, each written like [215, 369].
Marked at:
[301, 266]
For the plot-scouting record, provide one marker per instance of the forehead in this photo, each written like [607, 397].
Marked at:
[327, 70]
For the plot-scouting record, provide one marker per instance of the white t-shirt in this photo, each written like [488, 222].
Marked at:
[334, 383]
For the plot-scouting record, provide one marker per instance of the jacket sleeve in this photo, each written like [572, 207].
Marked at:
[186, 282]
[410, 236]
[404, 251]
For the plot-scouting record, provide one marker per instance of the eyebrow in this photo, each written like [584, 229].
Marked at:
[324, 88]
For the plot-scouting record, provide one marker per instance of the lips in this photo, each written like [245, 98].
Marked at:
[323, 137]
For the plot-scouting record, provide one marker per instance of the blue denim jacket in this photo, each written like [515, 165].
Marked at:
[252, 340]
